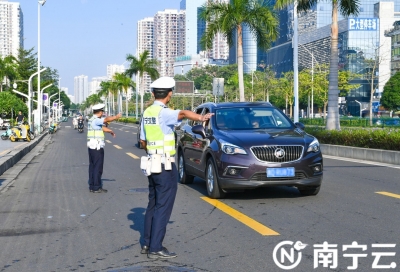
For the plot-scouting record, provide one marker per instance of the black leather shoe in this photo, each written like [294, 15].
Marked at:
[145, 250]
[163, 254]
[101, 190]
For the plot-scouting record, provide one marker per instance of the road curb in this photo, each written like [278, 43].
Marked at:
[367, 154]
[10, 159]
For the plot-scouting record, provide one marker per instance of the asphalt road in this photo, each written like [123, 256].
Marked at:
[49, 221]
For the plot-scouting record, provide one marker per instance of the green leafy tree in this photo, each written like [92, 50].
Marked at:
[11, 102]
[346, 8]
[391, 93]
[124, 83]
[142, 65]
[8, 70]
[230, 19]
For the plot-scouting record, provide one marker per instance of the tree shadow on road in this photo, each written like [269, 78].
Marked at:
[137, 218]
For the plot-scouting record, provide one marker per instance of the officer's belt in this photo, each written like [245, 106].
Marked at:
[172, 159]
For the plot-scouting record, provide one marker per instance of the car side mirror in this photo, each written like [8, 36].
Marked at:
[199, 129]
[300, 125]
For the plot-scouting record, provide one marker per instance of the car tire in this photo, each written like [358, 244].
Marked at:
[184, 178]
[213, 188]
[309, 191]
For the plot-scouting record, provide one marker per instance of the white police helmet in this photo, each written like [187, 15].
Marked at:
[163, 84]
[98, 107]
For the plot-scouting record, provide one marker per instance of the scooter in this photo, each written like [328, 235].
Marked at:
[53, 128]
[80, 125]
[6, 134]
[20, 132]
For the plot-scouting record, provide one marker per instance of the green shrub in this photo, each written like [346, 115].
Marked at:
[127, 120]
[377, 138]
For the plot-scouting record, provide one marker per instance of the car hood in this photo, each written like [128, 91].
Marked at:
[265, 137]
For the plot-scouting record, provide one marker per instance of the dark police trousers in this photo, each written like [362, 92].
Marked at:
[96, 160]
[162, 192]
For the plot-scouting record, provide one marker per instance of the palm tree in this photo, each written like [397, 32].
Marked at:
[230, 19]
[140, 66]
[124, 82]
[8, 69]
[346, 8]
[105, 92]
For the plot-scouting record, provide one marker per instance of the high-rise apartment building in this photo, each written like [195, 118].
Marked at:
[195, 28]
[114, 68]
[169, 39]
[145, 41]
[11, 28]
[94, 85]
[81, 88]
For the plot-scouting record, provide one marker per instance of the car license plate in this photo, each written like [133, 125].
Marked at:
[280, 172]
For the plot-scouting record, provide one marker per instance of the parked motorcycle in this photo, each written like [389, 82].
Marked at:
[6, 135]
[20, 132]
[80, 125]
[53, 128]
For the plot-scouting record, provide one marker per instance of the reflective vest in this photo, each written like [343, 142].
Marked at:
[157, 141]
[94, 134]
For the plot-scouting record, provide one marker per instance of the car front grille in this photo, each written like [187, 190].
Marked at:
[267, 153]
[263, 177]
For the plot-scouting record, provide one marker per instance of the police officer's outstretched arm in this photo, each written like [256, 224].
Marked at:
[194, 116]
[110, 119]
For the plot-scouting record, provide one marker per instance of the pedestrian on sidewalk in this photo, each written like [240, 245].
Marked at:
[157, 138]
[95, 143]
[20, 118]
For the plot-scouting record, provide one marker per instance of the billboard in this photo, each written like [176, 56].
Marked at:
[363, 24]
[45, 99]
[184, 87]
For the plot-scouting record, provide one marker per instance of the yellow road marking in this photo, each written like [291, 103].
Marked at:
[251, 223]
[134, 133]
[108, 141]
[132, 155]
[126, 131]
[117, 146]
[389, 194]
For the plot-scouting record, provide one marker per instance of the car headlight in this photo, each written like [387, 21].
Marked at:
[314, 146]
[229, 148]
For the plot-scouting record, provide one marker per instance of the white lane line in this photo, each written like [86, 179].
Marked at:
[361, 161]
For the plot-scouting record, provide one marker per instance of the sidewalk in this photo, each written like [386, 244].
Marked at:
[12, 156]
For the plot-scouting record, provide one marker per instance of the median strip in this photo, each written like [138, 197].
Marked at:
[388, 194]
[132, 155]
[117, 146]
[251, 223]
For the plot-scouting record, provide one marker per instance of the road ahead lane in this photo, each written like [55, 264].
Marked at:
[50, 222]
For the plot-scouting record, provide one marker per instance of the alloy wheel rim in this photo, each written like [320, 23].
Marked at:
[210, 178]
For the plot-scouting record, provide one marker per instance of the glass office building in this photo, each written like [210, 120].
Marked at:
[361, 39]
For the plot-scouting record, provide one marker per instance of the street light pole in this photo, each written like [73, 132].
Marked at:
[295, 63]
[360, 108]
[40, 98]
[30, 95]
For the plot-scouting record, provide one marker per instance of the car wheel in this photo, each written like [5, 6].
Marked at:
[213, 189]
[183, 177]
[309, 191]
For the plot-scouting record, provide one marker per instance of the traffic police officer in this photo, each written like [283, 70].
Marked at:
[157, 138]
[95, 143]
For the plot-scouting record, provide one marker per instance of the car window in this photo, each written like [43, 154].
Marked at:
[251, 118]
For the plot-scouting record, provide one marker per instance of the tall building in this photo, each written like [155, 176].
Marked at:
[81, 88]
[169, 39]
[11, 28]
[361, 40]
[94, 85]
[114, 68]
[145, 40]
[195, 28]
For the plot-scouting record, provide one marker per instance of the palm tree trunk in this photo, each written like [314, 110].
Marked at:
[332, 120]
[126, 102]
[142, 93]
[240, 62]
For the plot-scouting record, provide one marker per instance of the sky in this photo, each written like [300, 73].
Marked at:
[81, 37]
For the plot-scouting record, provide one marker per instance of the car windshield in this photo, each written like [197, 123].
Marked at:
[252, 118]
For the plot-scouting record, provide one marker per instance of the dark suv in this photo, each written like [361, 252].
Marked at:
[248, 145]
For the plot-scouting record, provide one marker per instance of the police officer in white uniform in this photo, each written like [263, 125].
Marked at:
[95, 143]
[157, 138]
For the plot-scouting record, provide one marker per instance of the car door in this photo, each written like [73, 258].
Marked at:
[189, 142]
[199, 145]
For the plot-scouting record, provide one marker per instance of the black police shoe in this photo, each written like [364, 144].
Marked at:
[101, 190]
[145, 250]
[163, 254]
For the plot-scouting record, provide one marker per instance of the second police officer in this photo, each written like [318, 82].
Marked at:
[157, 138]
